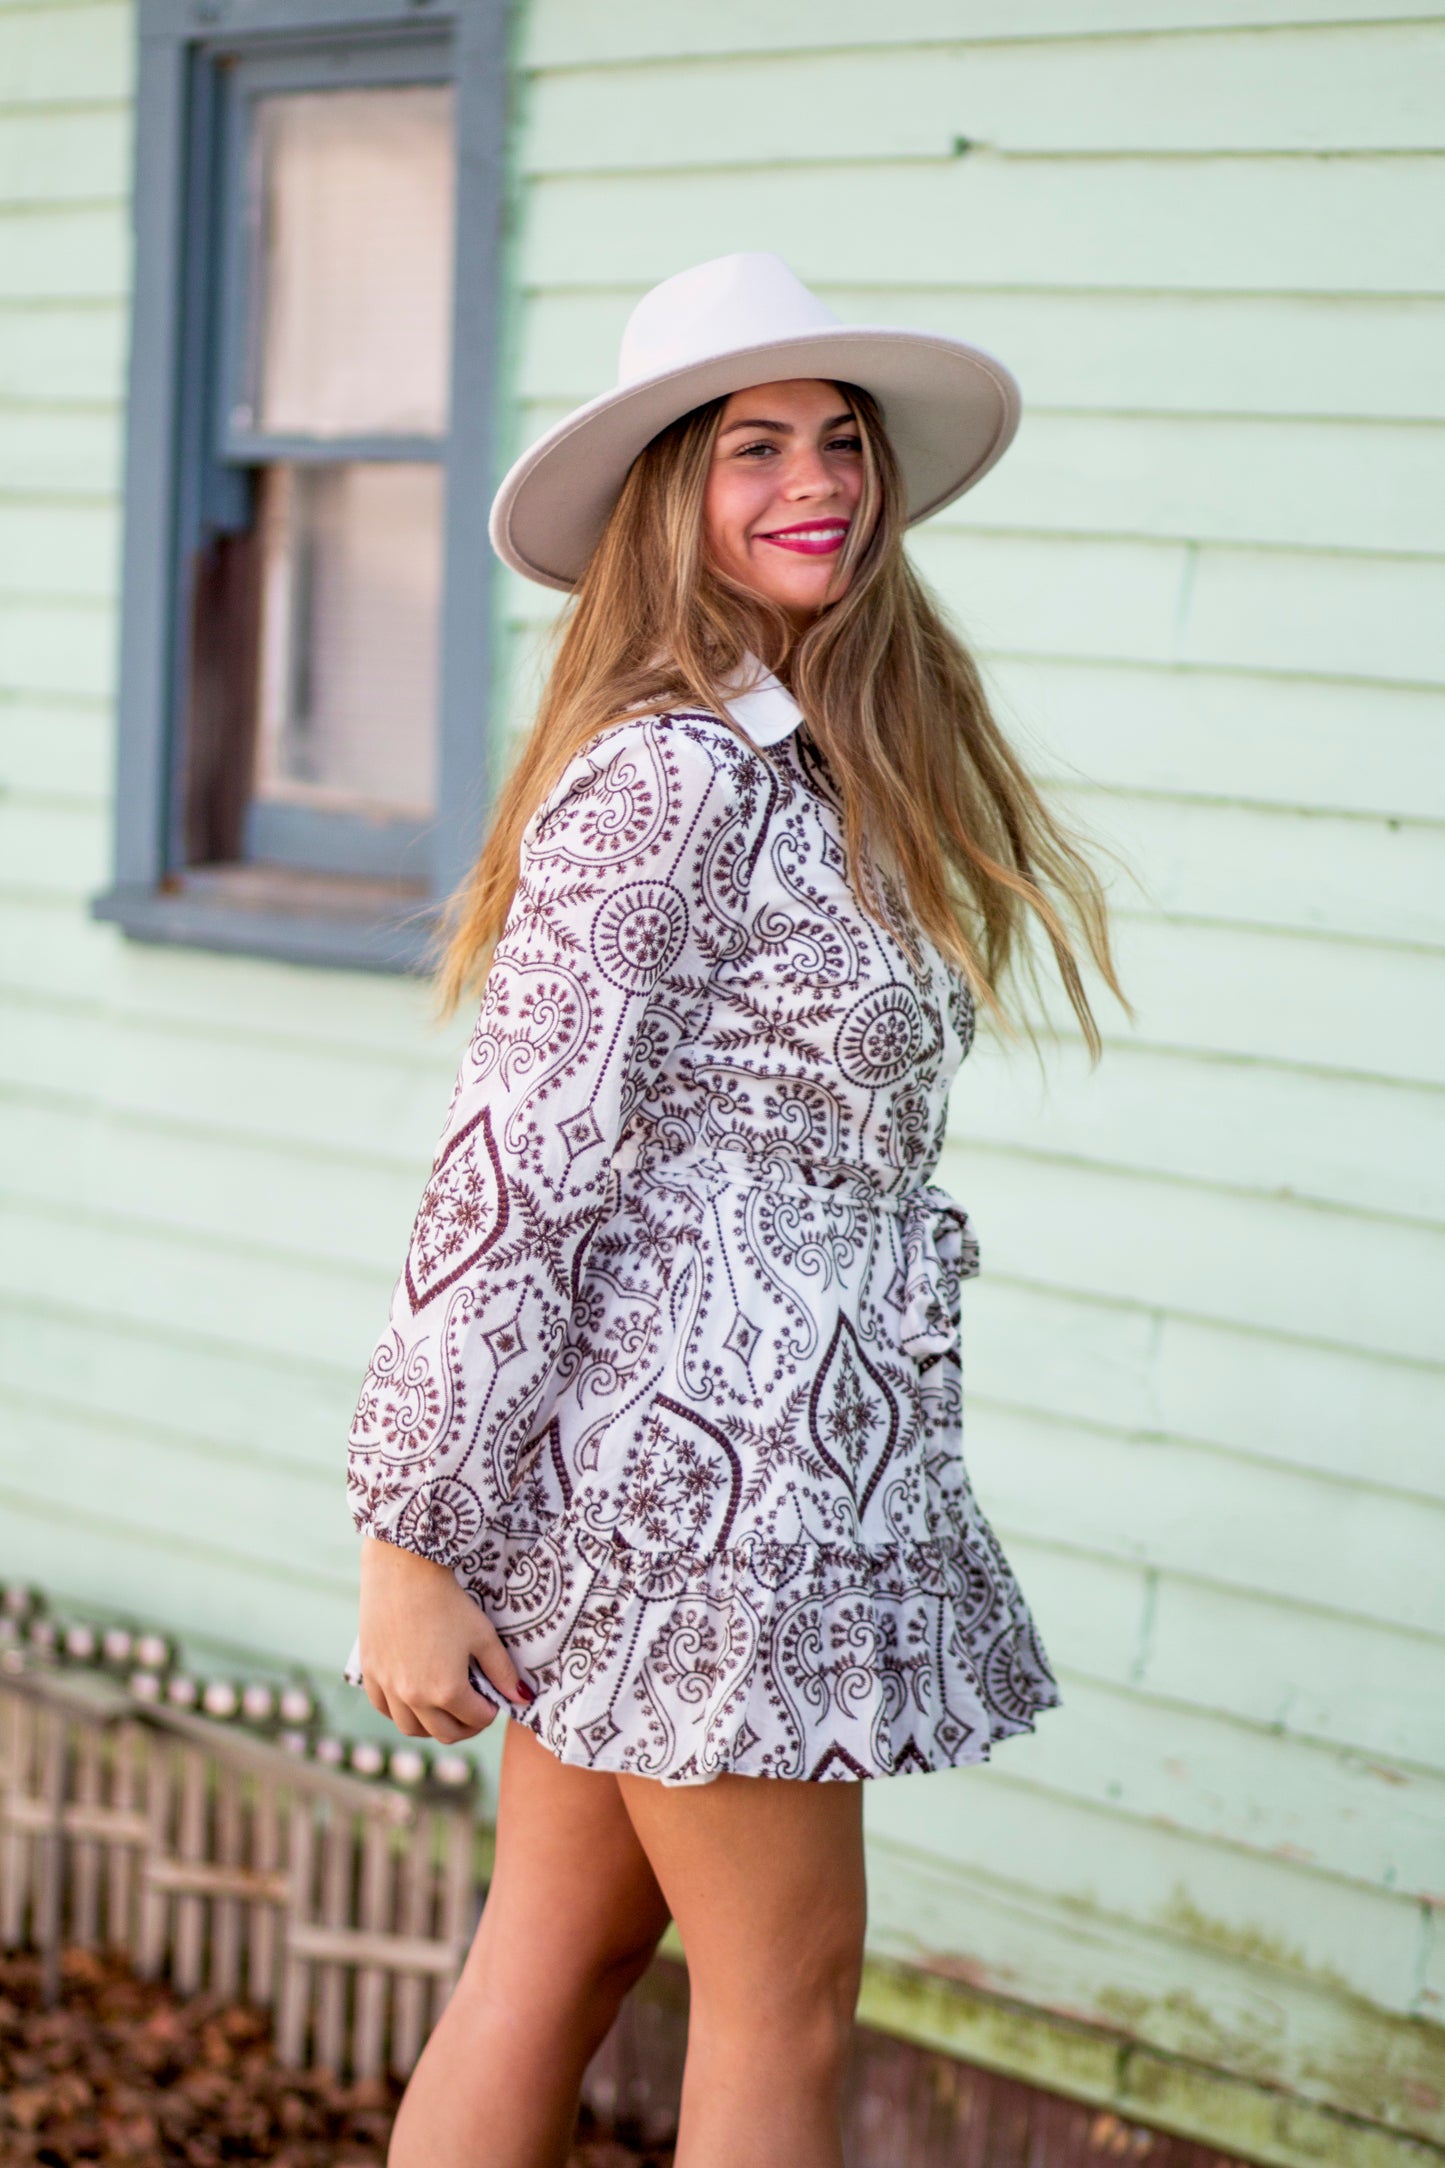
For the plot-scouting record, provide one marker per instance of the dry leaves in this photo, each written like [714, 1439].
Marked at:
[124, 2071]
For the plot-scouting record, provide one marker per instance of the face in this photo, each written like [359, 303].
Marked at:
[783, 491]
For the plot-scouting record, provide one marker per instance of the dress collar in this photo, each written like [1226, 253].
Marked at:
[766, 710]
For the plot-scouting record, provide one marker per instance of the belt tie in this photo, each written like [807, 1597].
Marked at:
[940, 1252]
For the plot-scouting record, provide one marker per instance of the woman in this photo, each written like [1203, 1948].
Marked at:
[660, 1450]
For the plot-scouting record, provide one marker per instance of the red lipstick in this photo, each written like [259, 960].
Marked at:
[810, 538]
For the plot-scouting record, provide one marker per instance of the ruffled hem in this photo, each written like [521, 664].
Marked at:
[803, 1661]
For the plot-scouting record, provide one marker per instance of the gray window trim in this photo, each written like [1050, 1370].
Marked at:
[173, 486]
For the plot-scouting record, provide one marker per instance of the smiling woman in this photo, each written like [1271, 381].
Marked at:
[786, 478]
[660, 1450]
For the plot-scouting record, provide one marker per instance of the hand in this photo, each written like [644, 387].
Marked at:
[418, 1628]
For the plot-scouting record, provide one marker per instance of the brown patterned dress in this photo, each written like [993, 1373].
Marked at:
[672, 1377]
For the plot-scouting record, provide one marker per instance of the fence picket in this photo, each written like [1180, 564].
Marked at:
[335, 1912]
[261, 1926]
[213, 1855]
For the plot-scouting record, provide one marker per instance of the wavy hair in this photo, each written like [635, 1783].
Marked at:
[891, 698]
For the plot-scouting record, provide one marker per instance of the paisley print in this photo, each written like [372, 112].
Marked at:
[672, 1379]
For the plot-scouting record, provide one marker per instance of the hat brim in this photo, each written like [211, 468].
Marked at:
[951, 412]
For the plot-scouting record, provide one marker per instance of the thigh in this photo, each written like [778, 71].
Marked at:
[765, 1878]
[572, 1893]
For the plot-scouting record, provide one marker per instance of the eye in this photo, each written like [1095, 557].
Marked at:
[746, 451]
[845, 444]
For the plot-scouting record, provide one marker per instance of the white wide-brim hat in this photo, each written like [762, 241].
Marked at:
[950, 409]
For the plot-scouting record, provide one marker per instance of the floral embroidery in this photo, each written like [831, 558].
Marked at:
[672, 1379]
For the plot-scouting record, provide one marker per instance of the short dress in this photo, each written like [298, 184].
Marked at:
[672, 1376]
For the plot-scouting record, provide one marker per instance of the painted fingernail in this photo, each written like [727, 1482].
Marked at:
[525, 1692]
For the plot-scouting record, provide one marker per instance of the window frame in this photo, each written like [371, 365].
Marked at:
[177, 489]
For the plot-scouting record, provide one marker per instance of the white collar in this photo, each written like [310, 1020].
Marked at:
[767, 711]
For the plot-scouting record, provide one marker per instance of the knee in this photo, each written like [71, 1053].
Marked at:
[796, 2017]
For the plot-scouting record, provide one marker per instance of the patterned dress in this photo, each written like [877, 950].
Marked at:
[672, 1377]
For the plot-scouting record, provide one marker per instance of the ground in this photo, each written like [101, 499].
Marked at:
[124, 2070]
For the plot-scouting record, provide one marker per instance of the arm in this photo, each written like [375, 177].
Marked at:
[632, 887]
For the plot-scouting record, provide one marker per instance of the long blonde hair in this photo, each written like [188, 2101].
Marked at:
[891, 699]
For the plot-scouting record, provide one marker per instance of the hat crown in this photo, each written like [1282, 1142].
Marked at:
[715, 308]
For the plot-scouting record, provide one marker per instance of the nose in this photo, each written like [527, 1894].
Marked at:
[809, 474]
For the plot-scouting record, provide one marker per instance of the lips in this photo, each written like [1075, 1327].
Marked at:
[810, 538]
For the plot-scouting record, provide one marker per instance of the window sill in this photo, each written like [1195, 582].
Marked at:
[333, 920]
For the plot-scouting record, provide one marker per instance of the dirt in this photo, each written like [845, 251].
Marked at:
[125, 2070]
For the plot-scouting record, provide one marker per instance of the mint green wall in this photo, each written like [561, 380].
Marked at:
[1203, 1356]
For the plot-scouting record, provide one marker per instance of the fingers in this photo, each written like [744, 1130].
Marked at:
[497, 1665]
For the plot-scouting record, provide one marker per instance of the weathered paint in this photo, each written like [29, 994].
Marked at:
[1204, 1354]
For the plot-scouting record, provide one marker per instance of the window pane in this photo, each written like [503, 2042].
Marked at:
[351, 589]
[355, 277]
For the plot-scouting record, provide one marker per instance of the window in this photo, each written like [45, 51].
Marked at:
[305, 652]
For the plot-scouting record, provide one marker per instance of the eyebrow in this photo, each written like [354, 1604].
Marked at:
[783, 429]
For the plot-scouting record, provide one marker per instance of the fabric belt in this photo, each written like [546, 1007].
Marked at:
[938, 1244]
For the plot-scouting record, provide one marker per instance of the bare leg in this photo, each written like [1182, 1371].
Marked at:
[766, 1881]
[571, 1920]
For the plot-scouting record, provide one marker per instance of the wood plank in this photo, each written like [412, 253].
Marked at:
[338, 1946]
[17, 1746]
[226, 1882]
[1353, 1006]
[368, 2038]
[230, 1505]
[226, 1915]
[1308, 225]
[1373, 86]
[64, 156]
[127, 1791]
[262, 1942]
[294, 2011]
[326, 1941]
[1335, 1140]
[1286, 355]
[63, 351]
[1329, 1410]
[1227, 609]
[1231, 1783]
[54, 55]
[1310, 1672]
[575, 33]
[1225, 734]
[217, 1396]
[50, 647]
[56, 749]
[68, 450]
[414, 1919]
[1342, 1683]
[234, 996]
[66, 255]
[1271, 1266]
[1197, 2001]
[53, 848]
[290, 1309]
[153, 1937]
[1266, 866]
[59, 550]
[335, 1211]
[1355, 486]
[1294, 1924]
[457, 1905]
[383, 1111]
[192, 1833]
[85, 1853]
[290, 1616]
[1229, 1522]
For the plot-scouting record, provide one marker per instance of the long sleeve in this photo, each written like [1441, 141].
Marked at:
[632, 890]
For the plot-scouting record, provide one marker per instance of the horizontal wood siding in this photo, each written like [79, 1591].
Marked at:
[1203, 1357]
[207, 1166]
